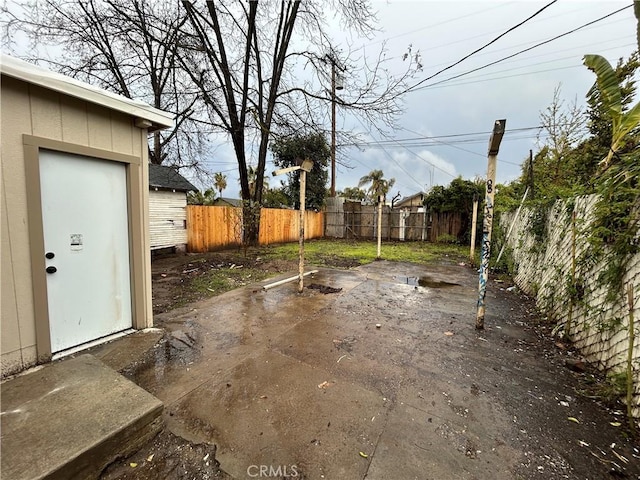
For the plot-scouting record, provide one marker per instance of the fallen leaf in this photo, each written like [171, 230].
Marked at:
[263, 396]
[615, 424]
[133, 465]
[150, 457]
[573, 419]
[324, 385]
[364, 455]
[448, 334]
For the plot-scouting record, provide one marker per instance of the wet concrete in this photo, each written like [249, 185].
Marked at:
[72, 418]
[308, 386]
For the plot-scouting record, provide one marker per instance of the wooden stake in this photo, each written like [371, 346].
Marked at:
[380, 200]
[632, 338]
[474, 222]
[303, 187]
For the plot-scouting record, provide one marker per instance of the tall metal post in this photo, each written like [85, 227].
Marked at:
[494, 146]
[333, 128]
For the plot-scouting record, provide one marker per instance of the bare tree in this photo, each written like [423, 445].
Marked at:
[564, 126]
[248, 60]
[254, 70]
[125, 46]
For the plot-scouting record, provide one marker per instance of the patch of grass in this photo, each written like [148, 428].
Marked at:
[218, 281]
[349, 253]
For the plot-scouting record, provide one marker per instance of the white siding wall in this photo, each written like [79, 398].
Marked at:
[544, 273]
[167, 218]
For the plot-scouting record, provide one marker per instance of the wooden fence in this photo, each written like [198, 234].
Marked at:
[453, 224]
[354, 220]
[214, 228]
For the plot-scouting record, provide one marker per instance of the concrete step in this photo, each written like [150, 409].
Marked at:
[70, 419]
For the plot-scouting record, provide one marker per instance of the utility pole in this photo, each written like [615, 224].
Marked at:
[531, 186]
[336, 84]
[494, 146]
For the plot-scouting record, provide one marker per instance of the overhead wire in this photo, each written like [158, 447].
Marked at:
[404, 34]
[416, 87]
[509, 30]
[483, 140]
[390, 157]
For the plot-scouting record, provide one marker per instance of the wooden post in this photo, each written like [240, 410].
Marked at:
[531, 185]
[567, 326]
[494, 146]
[474, 222]
[630, 376]
[380, 200]
[303, 187]
[513, 222]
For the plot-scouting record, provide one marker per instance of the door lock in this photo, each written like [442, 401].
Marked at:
[52, 269]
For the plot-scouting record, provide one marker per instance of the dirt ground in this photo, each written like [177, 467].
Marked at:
[174, 275]
[455, 403]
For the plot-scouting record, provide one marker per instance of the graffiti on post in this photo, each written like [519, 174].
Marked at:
[485, 255]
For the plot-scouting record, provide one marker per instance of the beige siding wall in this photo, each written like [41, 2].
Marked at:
[167, 218]
[27, 109]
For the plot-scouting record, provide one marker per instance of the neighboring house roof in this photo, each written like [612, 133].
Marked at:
[161, 176]
[145, 115]
[411, 200]
[223, 201]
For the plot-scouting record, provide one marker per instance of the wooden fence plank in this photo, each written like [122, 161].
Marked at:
[211, 228]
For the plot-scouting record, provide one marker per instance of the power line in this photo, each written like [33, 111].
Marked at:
[553, 60]
[482, 47]
[416, 88]
[394, 160]
[472, 14]
[437, 137]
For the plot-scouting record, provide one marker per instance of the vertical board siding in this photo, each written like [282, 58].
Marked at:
[35, 110]
[167, 218]
[211, 228]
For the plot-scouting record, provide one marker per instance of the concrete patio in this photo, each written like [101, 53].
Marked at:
[387, 378]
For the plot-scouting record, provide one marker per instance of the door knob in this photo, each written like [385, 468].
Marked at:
[49, 255]
[52, 269]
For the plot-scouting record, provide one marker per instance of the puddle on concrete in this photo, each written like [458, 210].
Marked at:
[425, 281]
[178, 348]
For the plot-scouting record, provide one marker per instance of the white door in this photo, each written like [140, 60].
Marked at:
[402, 225]
[86, 238]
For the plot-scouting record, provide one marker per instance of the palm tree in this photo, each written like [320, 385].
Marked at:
[220, 182]
[252, 175]
[379, 185]
[202, 198]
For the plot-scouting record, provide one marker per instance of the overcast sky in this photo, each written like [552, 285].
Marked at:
[517, 89]
[450, 119]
